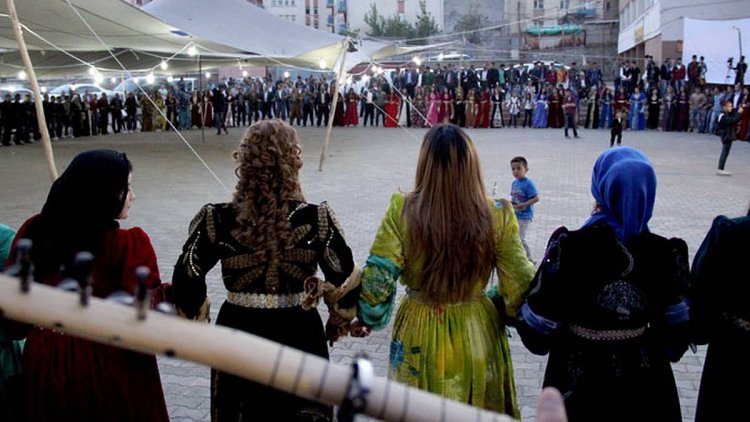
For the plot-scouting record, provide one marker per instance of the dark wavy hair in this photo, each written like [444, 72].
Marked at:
[268, 162]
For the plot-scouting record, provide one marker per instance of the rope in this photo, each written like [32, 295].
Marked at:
[190, 147]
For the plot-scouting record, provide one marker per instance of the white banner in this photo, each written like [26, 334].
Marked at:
[717, 41]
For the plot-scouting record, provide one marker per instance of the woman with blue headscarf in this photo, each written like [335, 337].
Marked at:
[608, 302]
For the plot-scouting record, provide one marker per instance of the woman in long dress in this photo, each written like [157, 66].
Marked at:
[471, 108]
[459, 108]
[449, 336]
[404, 119]
[270, 242]
[540, 110]
[609, 304]
[669, 110]
[195, 111]
[592, 111]
[554, 111]
[352, 115]
[70, 378]
[654, 106]
[433, 106]
[419, 111]
[447, 104]
[682, 111]
[719, 313]
[496, 116]
[622, 105]
[605, 117]
[637, 110]
[339, 116]
[391, 109]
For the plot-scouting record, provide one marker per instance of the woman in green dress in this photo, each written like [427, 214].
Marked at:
[443, 240]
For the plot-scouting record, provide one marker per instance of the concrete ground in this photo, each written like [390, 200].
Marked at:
[364, 166]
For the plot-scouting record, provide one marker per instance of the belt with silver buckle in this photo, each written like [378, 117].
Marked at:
[265, 301]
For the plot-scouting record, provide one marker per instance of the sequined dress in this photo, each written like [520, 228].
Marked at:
[263, 299]
[458, 350]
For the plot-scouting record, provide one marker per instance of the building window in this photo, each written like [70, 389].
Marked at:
[286, 2]
[538, 4]
[564, 4]
[607, 6]
[401, 7]
[292, 2]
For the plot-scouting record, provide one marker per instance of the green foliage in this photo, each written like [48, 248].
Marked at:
[375, 21]
[396, 27]
[469, 22]
[425, 25]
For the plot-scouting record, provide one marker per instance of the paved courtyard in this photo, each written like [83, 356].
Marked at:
[363, 168]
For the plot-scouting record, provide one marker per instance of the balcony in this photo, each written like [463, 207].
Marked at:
[342, 6]
[330, 3]
[330, 20]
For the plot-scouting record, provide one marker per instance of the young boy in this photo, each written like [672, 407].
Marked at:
[616, 131]
[523, 196]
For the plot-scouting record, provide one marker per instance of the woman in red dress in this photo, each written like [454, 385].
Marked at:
[554, 111]
[352, 115]
[338, 117]
[745, 119]
[70, 378]
[483, 116]
[391, 110]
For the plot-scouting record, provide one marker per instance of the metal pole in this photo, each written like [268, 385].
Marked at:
[335, 101]
[41, 120]
[204, 107]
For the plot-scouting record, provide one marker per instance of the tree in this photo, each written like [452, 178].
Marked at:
[470, 22]
[375, 21]
[397, 27]
[425, 25]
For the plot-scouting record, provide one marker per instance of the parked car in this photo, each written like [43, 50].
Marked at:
[160, 82]
[81, 89]
[13, 90]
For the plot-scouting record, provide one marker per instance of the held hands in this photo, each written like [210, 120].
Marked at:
[354, 328]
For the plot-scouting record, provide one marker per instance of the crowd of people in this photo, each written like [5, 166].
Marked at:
[670, 97]
[612, 303]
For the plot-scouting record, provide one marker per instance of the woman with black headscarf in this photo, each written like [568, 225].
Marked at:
[608, 302]
[70, 378]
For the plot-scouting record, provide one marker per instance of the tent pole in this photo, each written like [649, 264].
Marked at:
[200, 98]
[334, 101]
[41, 120]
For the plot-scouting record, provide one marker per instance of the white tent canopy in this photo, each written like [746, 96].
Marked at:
[227, 32]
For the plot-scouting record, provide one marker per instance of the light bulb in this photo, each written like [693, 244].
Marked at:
[22, 74]
[244, 73]
[163, 65]
[192, 51]
[92, 71]
[322, 63]
[98, 78]
[208, 75]
[113, 80]
[286, 75]
[150, 78]
[170, 78]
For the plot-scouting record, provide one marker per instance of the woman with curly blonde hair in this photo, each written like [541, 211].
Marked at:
[270, 242]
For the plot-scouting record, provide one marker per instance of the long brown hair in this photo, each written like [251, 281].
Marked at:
[448, 216]
[268, 162]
